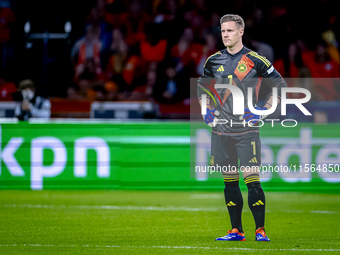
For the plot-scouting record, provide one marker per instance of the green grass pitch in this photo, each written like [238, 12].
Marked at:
[160, 222]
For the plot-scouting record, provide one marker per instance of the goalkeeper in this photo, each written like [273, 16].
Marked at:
[239, 66]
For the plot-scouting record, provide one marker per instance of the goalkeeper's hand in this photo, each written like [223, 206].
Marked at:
[254, 118]
[210, 116]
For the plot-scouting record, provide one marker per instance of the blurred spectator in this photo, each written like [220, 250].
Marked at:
[167, 15]
[145, 91]
[208, 49]
[117, 40]
[86, 58]
[171, 83]
[124, 69]
[321, 65]
[7, 89]
[106, 21]
[289, 66]
[261, 48]
[87, 47]
[135, 23]
[154, 47]
[195, 16]
[255, 37]
[100, 15]
[29, 104]
[292, 66]
[7, 22]
[332, 45]
[89, 82]
[214, 27]
[164, 11]
[172, 86]
[117, 60]
[186, 53]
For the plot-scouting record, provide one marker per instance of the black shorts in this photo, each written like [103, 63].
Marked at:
[227, 150]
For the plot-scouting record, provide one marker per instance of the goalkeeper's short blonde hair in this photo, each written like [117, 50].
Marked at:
[233, 17]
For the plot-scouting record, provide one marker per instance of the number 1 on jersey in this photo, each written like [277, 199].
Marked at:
[230, 77]
[254, 147]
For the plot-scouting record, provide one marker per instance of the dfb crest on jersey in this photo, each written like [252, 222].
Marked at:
[242, 68]
[245, 65]
[212, 160]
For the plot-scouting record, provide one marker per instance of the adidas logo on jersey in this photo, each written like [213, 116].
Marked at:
[231, 203]
[258, 203]
[221, 69]
[253, 160]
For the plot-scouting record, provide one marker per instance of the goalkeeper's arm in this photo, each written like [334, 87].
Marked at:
[267, 71]
[202, 82]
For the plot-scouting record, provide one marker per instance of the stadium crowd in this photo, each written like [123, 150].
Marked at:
[148, 50]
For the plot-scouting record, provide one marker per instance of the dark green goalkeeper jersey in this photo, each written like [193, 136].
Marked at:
[244, 69]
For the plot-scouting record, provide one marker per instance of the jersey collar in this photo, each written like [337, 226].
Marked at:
[234, 55]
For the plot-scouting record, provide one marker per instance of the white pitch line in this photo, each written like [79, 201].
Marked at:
[165, 247]
[325, 212]
[153, 208]
[206, 196]
[114, 207]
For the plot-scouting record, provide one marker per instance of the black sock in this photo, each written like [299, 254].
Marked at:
[256, 199]
[234, 202]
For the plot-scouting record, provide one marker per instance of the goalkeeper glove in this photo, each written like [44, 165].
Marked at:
[254, 118]
[210, 116]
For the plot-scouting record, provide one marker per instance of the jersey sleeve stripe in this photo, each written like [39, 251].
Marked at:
[264, 60]
[210, 57]
[254, 54]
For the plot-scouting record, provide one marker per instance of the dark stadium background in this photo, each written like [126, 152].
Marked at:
[113, 169]
[277, 23]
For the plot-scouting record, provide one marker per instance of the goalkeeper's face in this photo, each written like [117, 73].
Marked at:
[231, 33]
